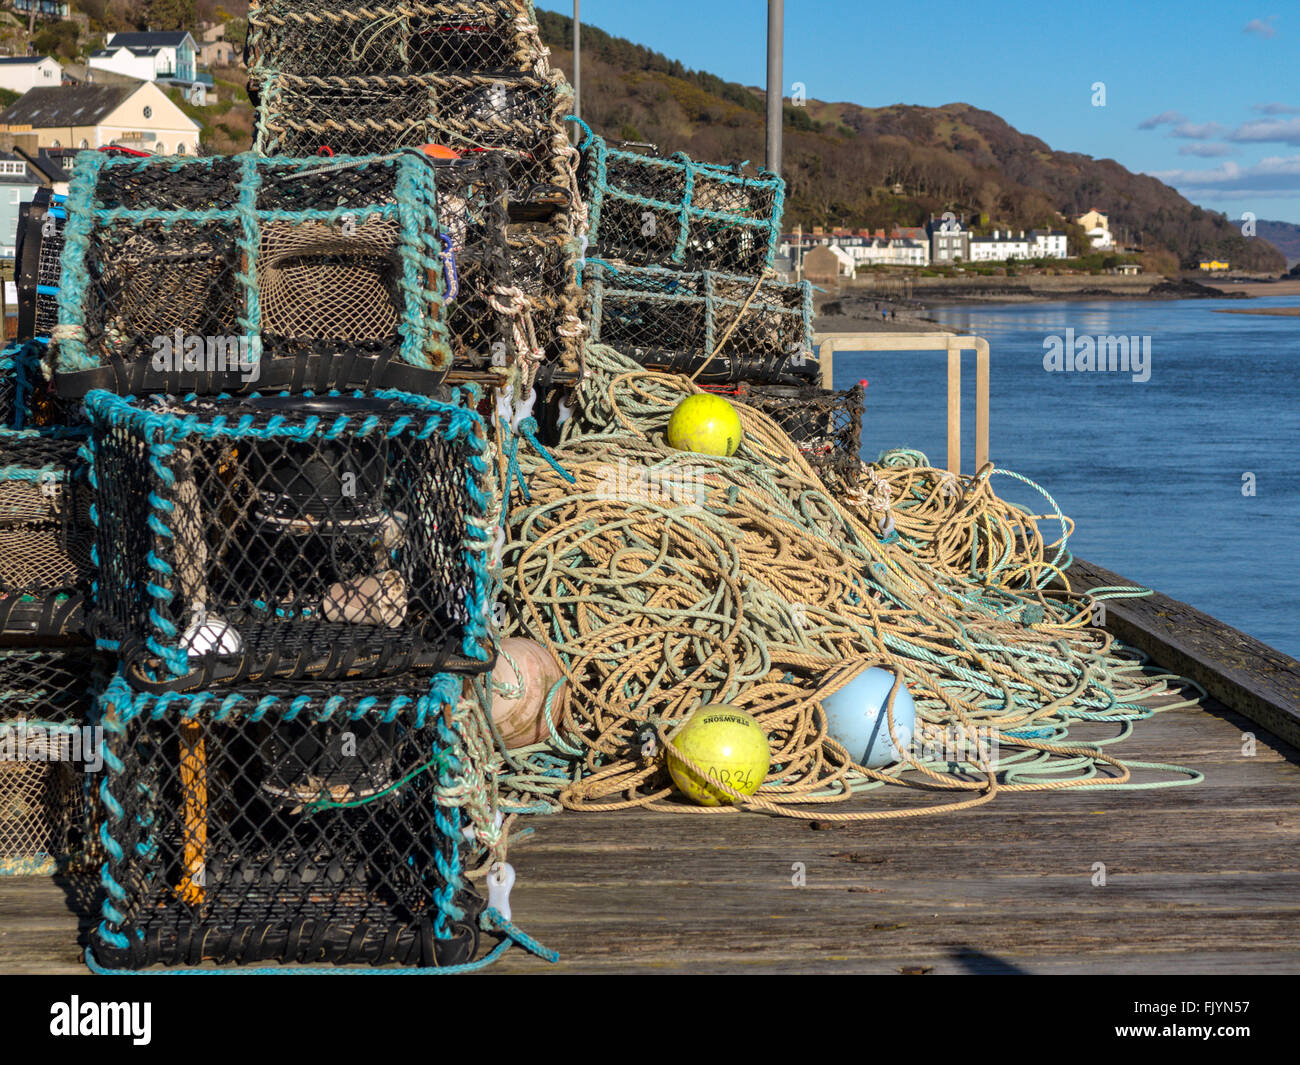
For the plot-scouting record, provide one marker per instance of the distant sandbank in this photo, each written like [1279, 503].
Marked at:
[1277, 312]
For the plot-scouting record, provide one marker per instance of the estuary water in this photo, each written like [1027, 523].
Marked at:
[1187, 482]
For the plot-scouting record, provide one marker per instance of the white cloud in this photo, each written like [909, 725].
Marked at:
[1206, 151]
[1275, 176]
[1280, 130]
[1276, 109]
[1196, 131]
[1263, 27]
[1165, 118]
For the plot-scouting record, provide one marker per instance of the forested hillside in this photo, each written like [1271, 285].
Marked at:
[871, 167]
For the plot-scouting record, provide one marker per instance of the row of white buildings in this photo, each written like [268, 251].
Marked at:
[941, 242]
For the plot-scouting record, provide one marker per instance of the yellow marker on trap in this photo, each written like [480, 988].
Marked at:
[728, 745]
[194, 789]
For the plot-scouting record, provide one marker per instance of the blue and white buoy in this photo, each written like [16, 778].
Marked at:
[856, 718]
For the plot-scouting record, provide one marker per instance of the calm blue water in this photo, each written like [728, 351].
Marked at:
[1151, 472]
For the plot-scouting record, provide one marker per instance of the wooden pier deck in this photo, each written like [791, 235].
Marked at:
[1198, 879]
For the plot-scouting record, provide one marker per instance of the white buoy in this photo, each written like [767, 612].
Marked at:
[211, 635]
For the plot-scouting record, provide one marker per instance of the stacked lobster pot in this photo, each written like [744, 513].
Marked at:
[47, 748]
[680, 279]
[50, 757]
[48, 667]
[274, 523]
[468, 83]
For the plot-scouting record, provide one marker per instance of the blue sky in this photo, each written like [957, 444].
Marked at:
[1205, 96]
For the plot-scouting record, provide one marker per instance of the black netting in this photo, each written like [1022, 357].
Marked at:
[825, 425]
[451, 36]
[473, 216]
[46, 746]
[512, 287]
[45, 534]
[543, 277]
[290, 537]
[39, 242]
[519, 117]
[301, 827]
[10, 390]
[217, 276]
[647, 211]
[739, 327]
[27, 396]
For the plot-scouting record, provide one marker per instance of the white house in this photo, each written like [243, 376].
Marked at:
[1000, 246]
[149, 56]
[1097, 226]
[1003, 245]
[904, 247]
[1050, 244]
[20, 73]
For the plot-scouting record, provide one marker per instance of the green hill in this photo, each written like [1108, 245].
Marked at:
[846, 164]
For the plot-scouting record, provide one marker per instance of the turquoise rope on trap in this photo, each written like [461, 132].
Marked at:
[317, 575]
[648, 211]
[189, 275]
[240, 829]
[727, 327]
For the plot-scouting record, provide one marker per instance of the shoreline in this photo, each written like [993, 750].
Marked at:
[857, 310]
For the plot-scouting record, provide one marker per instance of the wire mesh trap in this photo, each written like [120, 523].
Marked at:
[39, 246]
[542, 300]
[11, 367]
[740, 328]
[474, 217]
[448, 36]
[283, 824]
[250, 539]
[648, 211]
[45, 748]
[825, 425]
[234, 274]
[520, 117]
[46, 534]
[512, 287]
[27, 397]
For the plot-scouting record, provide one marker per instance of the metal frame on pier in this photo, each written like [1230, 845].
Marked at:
[828, 343]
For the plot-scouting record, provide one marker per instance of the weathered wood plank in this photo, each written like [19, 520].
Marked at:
[1244, 674]
[1201, 879]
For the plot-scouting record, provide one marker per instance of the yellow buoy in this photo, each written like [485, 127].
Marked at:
[728, 745]
[706, 424]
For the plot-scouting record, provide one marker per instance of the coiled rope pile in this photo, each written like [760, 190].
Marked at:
[664, 580]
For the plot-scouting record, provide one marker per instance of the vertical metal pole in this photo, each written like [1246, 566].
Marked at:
[577, 59]
[775, 82]
[954, 406]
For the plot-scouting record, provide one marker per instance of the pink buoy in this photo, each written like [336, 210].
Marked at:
[525, 672]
